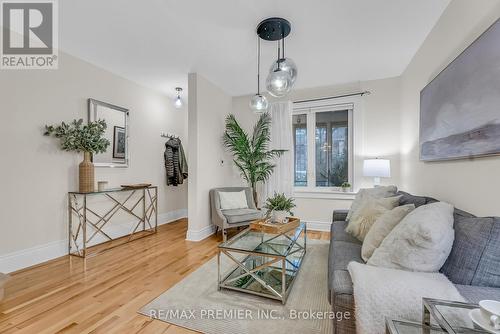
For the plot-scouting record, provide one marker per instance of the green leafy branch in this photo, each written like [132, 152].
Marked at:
[78, 137]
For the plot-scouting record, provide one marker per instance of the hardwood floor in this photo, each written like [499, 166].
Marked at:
[102, 294]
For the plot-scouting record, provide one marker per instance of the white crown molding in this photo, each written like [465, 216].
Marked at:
[199, 235]
[42, 253]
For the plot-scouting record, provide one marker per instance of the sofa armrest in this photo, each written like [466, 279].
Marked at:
[339, 215]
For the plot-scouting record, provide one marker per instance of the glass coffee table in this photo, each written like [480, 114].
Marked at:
[451, 317]
[263, 264]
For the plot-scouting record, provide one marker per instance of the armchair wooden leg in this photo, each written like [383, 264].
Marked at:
[224, 235]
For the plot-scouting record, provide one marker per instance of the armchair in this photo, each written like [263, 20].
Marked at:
[224, 219]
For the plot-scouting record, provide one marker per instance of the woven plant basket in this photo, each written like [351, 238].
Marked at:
[86, 174]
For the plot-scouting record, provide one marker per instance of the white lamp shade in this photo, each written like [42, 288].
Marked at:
[377, 168]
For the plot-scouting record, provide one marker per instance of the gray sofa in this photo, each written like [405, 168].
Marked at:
[473, 265]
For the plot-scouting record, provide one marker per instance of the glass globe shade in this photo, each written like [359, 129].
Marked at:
[178, 102]
[259, 103]
[279, 83]
[287, 65]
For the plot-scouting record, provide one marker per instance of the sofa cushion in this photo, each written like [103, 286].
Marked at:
[407, 198]
[345, 252]
[474, 294]
[338, 233]
[234, 216]
[488, 271]
[471, 238]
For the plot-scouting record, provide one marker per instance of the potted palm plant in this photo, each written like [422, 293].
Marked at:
[251, 154]
[279, 206]
[88, 139]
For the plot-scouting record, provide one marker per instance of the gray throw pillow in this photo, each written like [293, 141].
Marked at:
[474, 258]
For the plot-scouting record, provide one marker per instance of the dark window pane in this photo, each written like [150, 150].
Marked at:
[300, 150]
[332, 163]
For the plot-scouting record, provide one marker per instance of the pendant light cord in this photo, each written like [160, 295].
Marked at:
[283, 46]
[279, 54]
[258, 65]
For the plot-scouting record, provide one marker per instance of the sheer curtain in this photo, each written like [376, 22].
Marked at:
[281, 180]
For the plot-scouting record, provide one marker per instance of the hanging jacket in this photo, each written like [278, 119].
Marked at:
[175, 162]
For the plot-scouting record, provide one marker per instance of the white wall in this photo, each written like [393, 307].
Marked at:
[36, 174]
[210, 166]
[376, 131]
[469, 185]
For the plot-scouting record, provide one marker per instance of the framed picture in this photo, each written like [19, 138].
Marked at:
[460, 108]
[119, 141]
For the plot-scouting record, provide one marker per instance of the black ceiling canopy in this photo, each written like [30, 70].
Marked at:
[273, 29]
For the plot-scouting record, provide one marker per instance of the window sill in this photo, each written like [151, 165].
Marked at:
[323, 194]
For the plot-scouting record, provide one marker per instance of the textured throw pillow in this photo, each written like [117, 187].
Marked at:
[377, 192]
[364, 217]
[382, 227]
[474, 258]
[422, 241]
[233, 200]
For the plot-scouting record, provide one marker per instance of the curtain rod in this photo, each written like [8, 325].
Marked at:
[366, 92]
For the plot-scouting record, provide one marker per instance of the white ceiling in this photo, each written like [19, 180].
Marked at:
[157, 42]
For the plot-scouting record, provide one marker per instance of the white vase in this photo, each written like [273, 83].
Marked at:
[279, 216]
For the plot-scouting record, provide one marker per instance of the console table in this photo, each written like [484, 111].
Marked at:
[92, 224]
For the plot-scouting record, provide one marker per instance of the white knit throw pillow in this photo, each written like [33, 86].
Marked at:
[364, 217]
[377, 192]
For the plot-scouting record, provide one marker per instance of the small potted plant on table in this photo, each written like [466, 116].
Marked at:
[279, 206]
[346, 186]
[88, 139]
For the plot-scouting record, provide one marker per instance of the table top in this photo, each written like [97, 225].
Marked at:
[452, 317]
[110, 190]
[265, 243]
[409, 327]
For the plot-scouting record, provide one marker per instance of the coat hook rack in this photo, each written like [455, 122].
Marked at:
[169, 136]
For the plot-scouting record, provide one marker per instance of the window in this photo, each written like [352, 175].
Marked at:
[300, 149]
[322, 145]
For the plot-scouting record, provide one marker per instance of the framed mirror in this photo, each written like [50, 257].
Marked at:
[117, 132]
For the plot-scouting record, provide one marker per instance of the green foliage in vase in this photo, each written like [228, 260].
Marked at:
[346, 185]
[78, 137]
[279, 202]
[251, 154]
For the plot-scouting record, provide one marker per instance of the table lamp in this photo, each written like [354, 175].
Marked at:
[377, 168]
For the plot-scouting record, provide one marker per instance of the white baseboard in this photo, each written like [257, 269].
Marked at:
[319, 226]
[200, 234]
[42, 253]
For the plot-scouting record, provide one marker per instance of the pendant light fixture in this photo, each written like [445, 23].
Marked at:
[178, 101]
[283, 72]
[258, 103]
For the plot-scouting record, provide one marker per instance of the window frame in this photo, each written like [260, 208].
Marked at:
[310, 109]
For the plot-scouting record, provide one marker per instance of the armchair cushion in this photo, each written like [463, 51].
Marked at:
[233, 200]
[235, 216]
